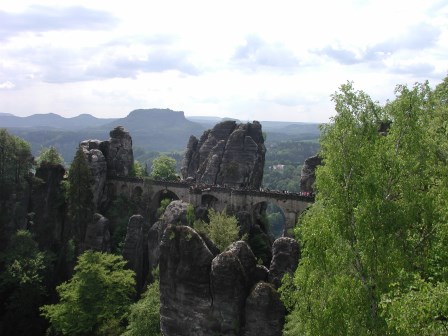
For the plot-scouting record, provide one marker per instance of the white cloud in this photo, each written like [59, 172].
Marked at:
[245, 59]
[7, 85]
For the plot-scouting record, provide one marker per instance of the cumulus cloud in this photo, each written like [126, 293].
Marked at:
[256, 52]
[43, 19]
[62, 65]
[156, 61]
[7, 85]
[418, 37]
[417, 69]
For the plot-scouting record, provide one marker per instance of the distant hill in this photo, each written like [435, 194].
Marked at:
[158, 129]
[52, 120]
[152, 130]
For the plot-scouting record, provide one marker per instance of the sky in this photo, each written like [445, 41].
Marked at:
[250, 60]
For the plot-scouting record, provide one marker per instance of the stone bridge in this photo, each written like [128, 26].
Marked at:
[220, 198]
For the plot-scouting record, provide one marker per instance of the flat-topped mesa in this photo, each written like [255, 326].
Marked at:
[229, 154]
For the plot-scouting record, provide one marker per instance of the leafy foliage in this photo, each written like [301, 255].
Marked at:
[222, 229]
[119, 212]
[22, 286]
[421, 310]
[138, 170]
[96, 299]
[49, 155]
[164, 168]
[289, 156]
[15, 162]
[163, 205]
[80, 195]
[144, 315]
[379, 219]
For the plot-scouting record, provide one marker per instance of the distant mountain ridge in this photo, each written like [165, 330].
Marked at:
[158, 130]
[52, 120]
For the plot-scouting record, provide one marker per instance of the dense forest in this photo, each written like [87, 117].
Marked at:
[373, 244]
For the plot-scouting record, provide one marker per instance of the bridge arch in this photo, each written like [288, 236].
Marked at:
[165, 194]
[209, 201]
[271, 216]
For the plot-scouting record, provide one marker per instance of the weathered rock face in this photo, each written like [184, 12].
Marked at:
[229, 154]
[98, 234]
[242, 251]
[203, 294]
[119, 154]
[265, 313]
[228, 285]
[48, 206]
[98, 167]
[185, 297]
[135, 248]
[308, 173]
[285, 258]
[175, 213]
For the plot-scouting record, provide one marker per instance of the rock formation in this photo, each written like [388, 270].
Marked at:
[308, 173]
[110, 158]
[98, 167]
[265, 312]
[229, 154]
[98, 234]
[135, 248]
[285, 258]
[228, 286]
[185, 298]
[222, 295]
[120, 157]
[175, 213]
[48, 206]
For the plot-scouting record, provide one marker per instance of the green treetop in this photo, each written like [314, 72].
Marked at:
[80, 196]
[164, 168]
[49, 155]
[97, 298]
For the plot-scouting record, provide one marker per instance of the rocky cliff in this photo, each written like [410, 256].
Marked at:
[308, 173]
[110, 158]
[225, 294]
[229, 154]
[207, 292]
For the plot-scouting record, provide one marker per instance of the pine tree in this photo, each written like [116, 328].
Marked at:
[80, 196]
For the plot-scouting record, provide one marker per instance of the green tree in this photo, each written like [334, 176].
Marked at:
[144, 315]
[49, 155]
[80, 196]
[97, 298]
[164, 168]
[423, 310]
[222, 229]
[121, 209]
[15, 162]
[138, 170]
[22, 287]
[373, 222]
[163, 205]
